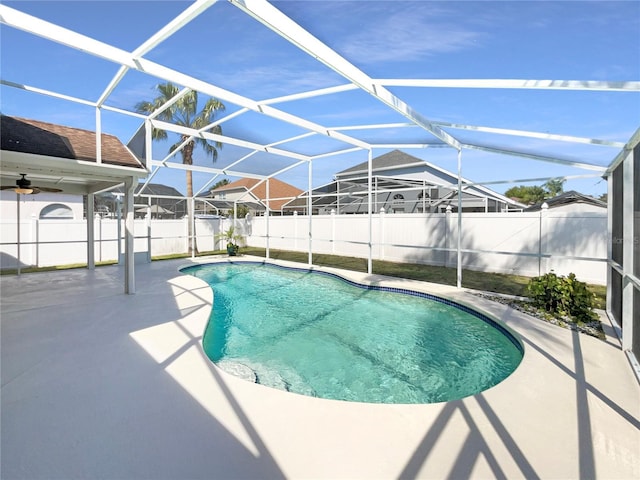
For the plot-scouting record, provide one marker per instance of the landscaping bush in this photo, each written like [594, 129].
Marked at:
[563, 296]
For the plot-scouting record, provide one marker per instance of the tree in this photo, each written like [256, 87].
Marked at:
[185, 113]
[527, 195]
[554, 187]
[221, 183]
[241, 211]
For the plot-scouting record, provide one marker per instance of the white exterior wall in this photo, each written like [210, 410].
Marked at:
[32, 205]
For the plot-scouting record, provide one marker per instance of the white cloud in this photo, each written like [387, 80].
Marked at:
[407, 35]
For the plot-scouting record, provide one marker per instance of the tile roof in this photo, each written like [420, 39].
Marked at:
[277, 189]
[40, 138]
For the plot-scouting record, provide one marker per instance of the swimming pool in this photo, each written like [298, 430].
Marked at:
[317, 334]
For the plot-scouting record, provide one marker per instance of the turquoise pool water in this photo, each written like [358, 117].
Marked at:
[319, 335]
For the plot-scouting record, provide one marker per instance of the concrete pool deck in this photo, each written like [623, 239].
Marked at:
[98, 384]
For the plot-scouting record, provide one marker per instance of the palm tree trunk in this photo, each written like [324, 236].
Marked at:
[187, 159]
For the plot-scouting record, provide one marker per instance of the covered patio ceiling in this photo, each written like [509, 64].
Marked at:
[270, 137]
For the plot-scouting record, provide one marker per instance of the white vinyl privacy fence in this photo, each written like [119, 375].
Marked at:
[520, 243]
[46, 243]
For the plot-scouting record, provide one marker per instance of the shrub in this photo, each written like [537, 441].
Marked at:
[563, 296]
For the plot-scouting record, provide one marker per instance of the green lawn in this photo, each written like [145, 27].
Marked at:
[488, 282]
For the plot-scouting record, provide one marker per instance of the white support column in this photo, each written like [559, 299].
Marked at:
[148, 222]
[609, 242]
[119, 226]
[192, 220]
[267, 214]
[459, 247]
[98, 136]
[18, 256]
[100, 238]
[309, 212]
[91, 235]
[129, 236]
[627, 255]
[370, 210]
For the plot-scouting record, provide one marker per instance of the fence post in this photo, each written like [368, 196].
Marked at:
[382, 232]
[447, 235]
[333, 231]
[543, 210]
[295, 230]
[185, 232]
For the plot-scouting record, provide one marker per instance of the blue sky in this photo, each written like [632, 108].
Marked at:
[565, 40]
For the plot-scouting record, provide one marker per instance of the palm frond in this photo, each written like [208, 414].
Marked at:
[184, 112]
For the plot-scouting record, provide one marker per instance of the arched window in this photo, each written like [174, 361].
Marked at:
[56, 211]
[397, 205]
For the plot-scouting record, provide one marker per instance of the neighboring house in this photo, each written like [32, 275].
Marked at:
[253, 194]
[571, 201]
[402, 183]
[165, 201]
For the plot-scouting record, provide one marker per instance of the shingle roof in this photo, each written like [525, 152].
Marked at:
[40, 138]
[395, 158]
[567, 198]
[277, 189]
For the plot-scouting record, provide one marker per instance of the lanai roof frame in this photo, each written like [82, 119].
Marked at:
[288, 29]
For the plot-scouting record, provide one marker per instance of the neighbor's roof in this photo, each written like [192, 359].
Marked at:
[40, 138]
[432, 174]
[567, 198]
[393, 159]
[281, 191]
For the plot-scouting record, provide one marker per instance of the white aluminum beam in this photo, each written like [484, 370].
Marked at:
[49, 93]
[623, 86]
[191, 12]
[275, 20]
[211, 170]
[310, 94]
[55, 33]
[538, 179]
[534, 156]
[630, 145]
[531, 134]
[501, 131]
[168, 103]
[173, 26]
[333, 154]
[411, 145]
[224, 139]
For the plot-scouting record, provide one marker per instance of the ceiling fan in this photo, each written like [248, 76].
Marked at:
[23, 187]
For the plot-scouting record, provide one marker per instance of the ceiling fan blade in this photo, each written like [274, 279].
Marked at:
[7, 187]
[47, 189]
[35, 190]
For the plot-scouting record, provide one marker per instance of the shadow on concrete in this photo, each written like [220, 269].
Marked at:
[80, 399]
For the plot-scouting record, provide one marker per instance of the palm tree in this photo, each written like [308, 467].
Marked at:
[554, 187]
[185, 113]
